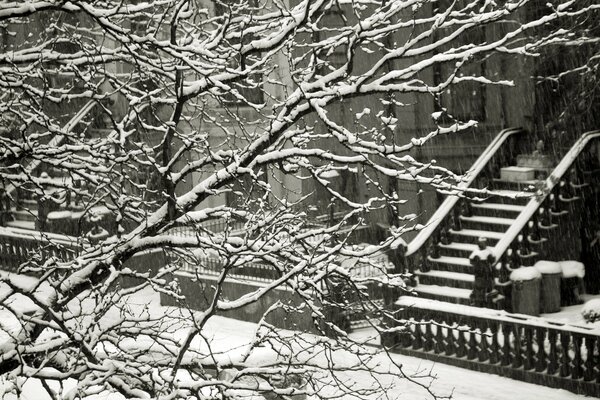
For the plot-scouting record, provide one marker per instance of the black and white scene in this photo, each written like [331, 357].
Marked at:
[299, 199]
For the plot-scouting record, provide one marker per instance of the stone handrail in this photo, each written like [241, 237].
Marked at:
[450, 201]
[536, 201]
[526, 348]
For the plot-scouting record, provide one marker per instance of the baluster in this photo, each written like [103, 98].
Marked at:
[405, 336]
[461, 342]
[506, 356]
[544, 216]
[529, 362]
[484, 354]
[495, 346]
[577, 370]
[428, 340]
[465, 208]
[439, 338]
[433, 250]
[540, 335]
[455, 219]
[515, 260]
[450, 346]
[534, 228]
[472, 352]
[555, 208]
[518, 357]
[565, 190]
[504, 273]
[522, 246]
[565, 361]
[425, 266]
[553, 354]
[418, 342]
[444, 238]
[590, 348]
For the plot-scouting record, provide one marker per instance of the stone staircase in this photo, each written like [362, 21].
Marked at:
[535, 212]
[25, 216]
[450, 276]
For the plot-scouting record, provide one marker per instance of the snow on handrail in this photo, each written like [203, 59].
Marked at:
[451, 200]
[57, 140]
[543, 192]
[501, 316]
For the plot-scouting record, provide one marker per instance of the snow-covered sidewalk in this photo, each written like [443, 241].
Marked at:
[229, 334]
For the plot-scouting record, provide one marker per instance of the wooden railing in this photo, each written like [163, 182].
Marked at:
[518, 346]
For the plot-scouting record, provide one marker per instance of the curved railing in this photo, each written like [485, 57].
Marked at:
[450, 201]
[536, 201]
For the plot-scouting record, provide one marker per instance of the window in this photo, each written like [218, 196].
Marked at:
[330, 58]
[248, 87]
[463, 100]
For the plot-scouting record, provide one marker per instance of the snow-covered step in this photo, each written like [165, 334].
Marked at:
[444, 293]
[494, 209]
[446, 278]
[451, 264]
[528, 186]
[486, 223]
[515, 208]
[473, 235]
[457, 249]
[24, 215]
[30, 225]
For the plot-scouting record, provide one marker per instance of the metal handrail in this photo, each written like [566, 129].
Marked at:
[451, 200]
[543, 192]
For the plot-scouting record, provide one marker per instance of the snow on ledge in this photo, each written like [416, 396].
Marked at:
[572, 269]
[548, 267]
[525, 274]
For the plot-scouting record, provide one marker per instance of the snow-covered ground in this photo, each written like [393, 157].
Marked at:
[460, 383]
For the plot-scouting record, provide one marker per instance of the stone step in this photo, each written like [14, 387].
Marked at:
[28, 204]
[451, 264]
[485, 223]
[457, 249]
[30, 225]
[24, 214]
[473, 235]
[444, 293]
[526, 186]
[500, 210]
[446, 278]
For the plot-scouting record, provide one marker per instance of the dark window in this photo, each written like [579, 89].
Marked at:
[330, 25]
[463, 100]
[248, 87]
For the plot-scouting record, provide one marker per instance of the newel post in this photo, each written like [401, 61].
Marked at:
[482, 260]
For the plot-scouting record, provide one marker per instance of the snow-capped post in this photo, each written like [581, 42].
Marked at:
[482, 260]
[97, 233]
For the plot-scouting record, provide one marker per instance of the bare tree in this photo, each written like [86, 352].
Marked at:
[155, 122]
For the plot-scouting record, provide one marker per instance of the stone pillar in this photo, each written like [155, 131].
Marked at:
[482, 260]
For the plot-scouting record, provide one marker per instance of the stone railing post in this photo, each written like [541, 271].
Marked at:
[484, 294]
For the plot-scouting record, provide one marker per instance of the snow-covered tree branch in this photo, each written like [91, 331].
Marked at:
[200, 138]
